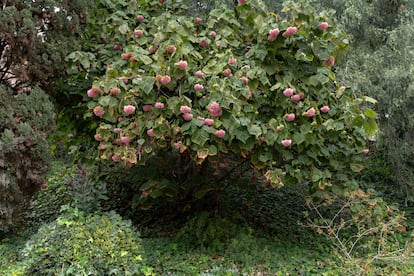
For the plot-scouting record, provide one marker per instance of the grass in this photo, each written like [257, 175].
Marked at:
[219, 245]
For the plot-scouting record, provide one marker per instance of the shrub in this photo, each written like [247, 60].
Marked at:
[251, 119]
[25, 119]
[205, 230]
[79, 244]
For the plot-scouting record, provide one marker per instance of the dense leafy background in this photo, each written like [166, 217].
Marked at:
[222, 219]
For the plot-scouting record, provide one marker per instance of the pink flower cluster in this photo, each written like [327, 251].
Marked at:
[214, 109]
[99, 111]
[286, 143]
[129, 109]
[273, 34]
[182, 64]
[93, 92]
[290, 31]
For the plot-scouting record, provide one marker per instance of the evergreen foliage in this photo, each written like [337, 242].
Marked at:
[35, 37]
[24, 152]
[379, 64]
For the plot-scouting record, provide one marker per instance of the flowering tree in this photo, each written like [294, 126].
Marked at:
[244, 82]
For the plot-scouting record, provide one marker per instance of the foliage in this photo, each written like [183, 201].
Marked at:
[46, 204]
[35, 38]
[82, 244]
[65, 185]
[24, 155]
[149, 99]
[365, 230]
[207, 231]
[378, 64]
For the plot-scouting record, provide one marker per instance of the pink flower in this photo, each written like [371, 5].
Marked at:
[208, 122]
[115, 91]
[198, 87]
[124, 79]
[120, 119]
[365, 151]
[185, 109]
[227, 73]
[310, 112]
[43, 186]
[198, 20]
[325, 109]
[165, 79]
[126, 56]
[98, 137]
[199, 74]
[330, 61]
[232, 61]
[93, 92]
[150, 132]
[140, 18]
[117, 47]
[182, 64]
[147, 108]
[213, 34]
[244, 80]
[99, 111]
[116, 158]
[286, 143]
[138, 33]
[273, 34]
[295, 98]
[214, 109]
[203, 43]
[129, 109]
[188, 116]
[159, 105]
[290, 31]
[241, 2]
[323, 26]
[220, 133]
[152, 49]
[288, 92]
[125, 139]
[177, 146]
[171, 49]
[117, 130]
[290, 117]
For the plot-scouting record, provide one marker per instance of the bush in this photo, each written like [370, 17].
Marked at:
[205, 230]
[230, 84]
[79, 244]
[25, 120]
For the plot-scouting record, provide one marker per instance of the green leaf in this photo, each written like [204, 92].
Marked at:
[144, 84]
[370, 113]
[242, 135]
[145, 59]
[370, 100]
[255, 130]
[299, 138]
[356, 167]
[123, 29]
[200, 137]
[370, 127]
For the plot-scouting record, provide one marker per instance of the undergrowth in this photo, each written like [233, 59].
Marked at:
[253, 232]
